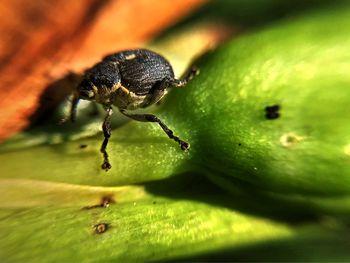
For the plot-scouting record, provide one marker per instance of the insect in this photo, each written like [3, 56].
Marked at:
[129, 80]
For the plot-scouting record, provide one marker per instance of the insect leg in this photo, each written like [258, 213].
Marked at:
[152, 118]
[73, 110]
[106, 126]
[158, 90]
[190, 75]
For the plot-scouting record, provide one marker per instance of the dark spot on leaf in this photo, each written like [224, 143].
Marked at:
[290, 139]
[104, 203]
[272, 112]
[83, 146]
[101, 228]
[239, 144]
[107, 200]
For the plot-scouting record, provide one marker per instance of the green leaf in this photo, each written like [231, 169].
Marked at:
[271, 177]
[300, 65]
[55, 225]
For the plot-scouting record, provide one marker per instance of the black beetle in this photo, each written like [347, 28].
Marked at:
[129, 80]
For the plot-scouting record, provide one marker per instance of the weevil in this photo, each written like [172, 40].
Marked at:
[129, 80]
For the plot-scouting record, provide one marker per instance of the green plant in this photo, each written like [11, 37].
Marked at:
[280, 183]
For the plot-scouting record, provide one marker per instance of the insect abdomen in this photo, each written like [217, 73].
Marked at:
[141, 69]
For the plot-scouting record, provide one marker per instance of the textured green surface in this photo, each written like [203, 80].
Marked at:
[303, 67]
[47, 222]
[278, 189]
[147, 229]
